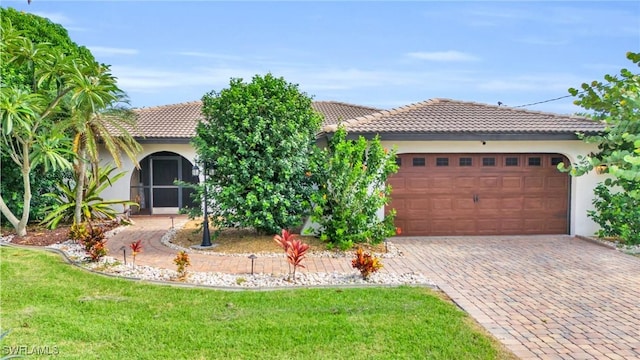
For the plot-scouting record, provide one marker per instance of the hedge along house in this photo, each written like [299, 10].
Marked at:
[165, 133]
[465, 168]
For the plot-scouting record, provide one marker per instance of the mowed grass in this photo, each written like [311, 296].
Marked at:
[46, 302]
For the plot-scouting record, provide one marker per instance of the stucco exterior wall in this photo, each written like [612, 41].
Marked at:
[120, 189]
[581, 187]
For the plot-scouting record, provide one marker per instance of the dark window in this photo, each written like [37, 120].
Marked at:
[511, 161]
[489, 161]
[556, 160]
[535, 161]
[465, 161]
[442, 161]
[398, 161]
[419, 162]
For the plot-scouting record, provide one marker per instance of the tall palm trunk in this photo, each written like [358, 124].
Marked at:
[81, 171]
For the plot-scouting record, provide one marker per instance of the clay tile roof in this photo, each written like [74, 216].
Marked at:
[168, 121]
[178, 121]
[450, 116]
[335, 111]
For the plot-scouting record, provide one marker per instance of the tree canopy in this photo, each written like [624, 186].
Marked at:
[258, 138]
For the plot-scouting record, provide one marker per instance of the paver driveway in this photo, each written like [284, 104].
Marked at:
[545, 297]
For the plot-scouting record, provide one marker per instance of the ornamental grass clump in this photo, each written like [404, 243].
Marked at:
[295, 249]
[366, 263]
[182, 262]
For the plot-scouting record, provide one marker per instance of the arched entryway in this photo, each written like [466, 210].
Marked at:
[153, 185]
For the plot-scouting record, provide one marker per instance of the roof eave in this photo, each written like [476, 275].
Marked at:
[463, 136]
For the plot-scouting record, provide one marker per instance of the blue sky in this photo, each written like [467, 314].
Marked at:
[381, 54]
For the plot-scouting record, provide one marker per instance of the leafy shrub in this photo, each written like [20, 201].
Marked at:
[93, 206]
[78, 232]
[182, 262]
[617, 213]
[352, 186]
[91, 237]
[295, 250]
[258, 137]
[366, 263]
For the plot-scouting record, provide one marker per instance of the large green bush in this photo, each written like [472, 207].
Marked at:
[258, 137]
[351, 177]
[617, 212]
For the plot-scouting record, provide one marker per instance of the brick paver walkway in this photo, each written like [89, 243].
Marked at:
[544, 297]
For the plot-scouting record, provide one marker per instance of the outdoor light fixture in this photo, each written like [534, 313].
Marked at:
[171, 221]
[253, 258]
[124, 254]
[206, 236]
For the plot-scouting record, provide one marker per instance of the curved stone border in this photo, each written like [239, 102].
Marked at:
[256, 282]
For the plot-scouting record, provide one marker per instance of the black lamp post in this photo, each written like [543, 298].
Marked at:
[206, 237]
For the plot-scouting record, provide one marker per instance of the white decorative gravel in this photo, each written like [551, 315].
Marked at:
[110, 265]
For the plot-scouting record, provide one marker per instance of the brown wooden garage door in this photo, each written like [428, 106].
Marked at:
[480, 194]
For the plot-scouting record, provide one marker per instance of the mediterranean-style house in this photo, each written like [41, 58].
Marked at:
[465, 168]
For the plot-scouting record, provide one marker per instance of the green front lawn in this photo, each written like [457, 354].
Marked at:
[45, 302]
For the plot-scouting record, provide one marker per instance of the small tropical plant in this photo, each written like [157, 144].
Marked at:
[93, 206]
[136, 248]
[294, 248]
[617, 212]
[78, 232]
[182, 262]
[366, 263]
[95, 243]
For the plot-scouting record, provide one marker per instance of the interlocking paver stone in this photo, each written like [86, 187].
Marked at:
[545, 297]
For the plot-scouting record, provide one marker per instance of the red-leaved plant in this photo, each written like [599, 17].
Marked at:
[366, 263]
[136, 248]
[182, 261]
[294, 248]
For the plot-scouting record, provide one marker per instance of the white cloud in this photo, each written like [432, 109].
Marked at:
[110, 51]
[450, 55]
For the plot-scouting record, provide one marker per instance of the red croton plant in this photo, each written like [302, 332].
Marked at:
[294, 248]
[136, 248]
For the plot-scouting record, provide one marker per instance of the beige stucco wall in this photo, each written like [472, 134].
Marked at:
[120, 189]
[581, 187]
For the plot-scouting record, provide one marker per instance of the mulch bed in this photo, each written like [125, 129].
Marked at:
[41, 236]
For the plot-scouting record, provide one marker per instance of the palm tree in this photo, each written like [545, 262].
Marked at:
[98, 115]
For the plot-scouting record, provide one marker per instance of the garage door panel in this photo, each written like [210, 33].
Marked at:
[397, 183]
[534, 203]
[465, 182]
[557, 203]
[440, 204]
[465, 203]
[512, 183]
[512, 226]
[511, 204]
[440, 183]
[533, 182]
[417, 227]
[504, 197]
[557, 183]
[488, 182]
[417, 185]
